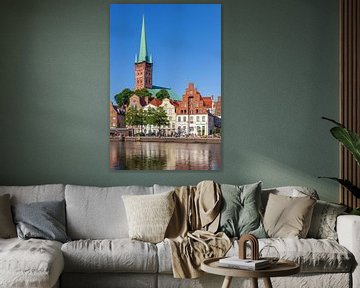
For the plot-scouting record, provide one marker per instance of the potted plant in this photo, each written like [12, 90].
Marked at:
[351, 141]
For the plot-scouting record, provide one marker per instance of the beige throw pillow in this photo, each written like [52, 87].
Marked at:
[149, 215]
[288, 217]
[7, 226]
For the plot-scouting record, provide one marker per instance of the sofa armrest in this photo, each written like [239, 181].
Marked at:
[348, 230]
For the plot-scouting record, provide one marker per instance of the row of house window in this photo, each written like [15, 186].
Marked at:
[203, 119]
[184, 111]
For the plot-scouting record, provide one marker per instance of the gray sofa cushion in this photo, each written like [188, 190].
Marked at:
[313, 255]
[117, 255]
[164, 257]
[323, 255]
[30, 263]
[98, 213]
[163, 188]
[36, 193]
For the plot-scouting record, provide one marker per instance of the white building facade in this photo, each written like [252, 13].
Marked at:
[170, 108]
[195, 125]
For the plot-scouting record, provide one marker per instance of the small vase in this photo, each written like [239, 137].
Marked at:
[270, 253]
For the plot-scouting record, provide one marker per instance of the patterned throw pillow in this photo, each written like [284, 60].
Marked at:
[323, 223]
[288, 217]
[149, 215]
[240, 213]
[7, 226]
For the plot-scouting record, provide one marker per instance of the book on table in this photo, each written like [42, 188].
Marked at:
[249, 264]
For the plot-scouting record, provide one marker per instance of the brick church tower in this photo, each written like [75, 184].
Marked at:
[143, 63]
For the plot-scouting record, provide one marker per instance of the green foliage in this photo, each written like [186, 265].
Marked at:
[141, 119]
[160, 117]
[123, 97]
[348, 138]
[355, 211]
[135, 117]
[131, 116]
[351, 141]
[151, 118]
[347, 184]
[157, 117]
[162, 94]
[142, 92]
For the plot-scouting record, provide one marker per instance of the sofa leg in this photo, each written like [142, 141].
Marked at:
[227, 282]
[267, 283]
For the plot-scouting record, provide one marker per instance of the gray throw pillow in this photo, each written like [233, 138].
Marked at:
[240, 213]
[323, 222]
[7, 226]
[44, 220]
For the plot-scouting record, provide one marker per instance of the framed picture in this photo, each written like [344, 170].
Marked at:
[165, 87]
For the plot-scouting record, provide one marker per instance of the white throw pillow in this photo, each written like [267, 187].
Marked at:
[149, 215]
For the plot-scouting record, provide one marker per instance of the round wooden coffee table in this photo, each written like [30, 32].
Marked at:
[281, 268]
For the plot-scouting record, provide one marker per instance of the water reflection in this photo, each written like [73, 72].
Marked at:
[130, 155]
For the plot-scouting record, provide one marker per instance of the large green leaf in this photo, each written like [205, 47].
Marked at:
[347, 184]
[348, 138]
[355, 211]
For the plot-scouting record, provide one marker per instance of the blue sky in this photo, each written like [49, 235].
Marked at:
[184, 40]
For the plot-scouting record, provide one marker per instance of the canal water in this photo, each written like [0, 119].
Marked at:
[133, 155]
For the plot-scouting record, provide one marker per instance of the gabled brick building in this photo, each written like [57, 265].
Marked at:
[194, 113]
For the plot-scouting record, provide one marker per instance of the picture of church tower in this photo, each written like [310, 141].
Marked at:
[143, 63]
[152, 127]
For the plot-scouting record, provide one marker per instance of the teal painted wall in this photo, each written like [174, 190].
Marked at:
[280, 75]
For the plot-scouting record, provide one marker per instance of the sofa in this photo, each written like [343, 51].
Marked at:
[100, 253]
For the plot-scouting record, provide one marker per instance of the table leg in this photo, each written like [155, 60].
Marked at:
[254, 282]
[267, 283]
[227, 282]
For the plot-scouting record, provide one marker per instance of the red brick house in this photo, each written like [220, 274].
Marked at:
[194, 113]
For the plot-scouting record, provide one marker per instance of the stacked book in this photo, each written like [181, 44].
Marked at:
[248, 264]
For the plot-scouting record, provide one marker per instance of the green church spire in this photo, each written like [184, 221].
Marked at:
[143, 53]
